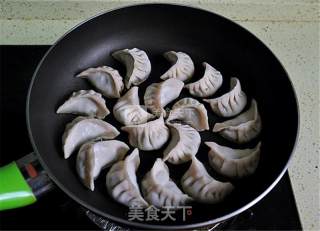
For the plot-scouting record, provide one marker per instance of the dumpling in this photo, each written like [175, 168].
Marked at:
[184, 143]
[95, 155]
[242, 128]
[158, 95]
[182, 66]
[233, 163]
[84, 129]
[85, 102]
[231, 103]
[128, 110]
[121, 181]
[198, 184]
[208, 84]
[191, 112]
[105, 79]
[137, 64]
[159, 190]
[149, 136]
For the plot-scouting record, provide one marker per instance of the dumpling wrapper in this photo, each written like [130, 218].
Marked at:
[128, 110]
[158, 95]
[233, 163]
[86, 103]
[208, 84]
[231, 103]
[182, 66]
[105, 79]
[242, 128]
[198, 184]
[149, 136]
[191, 112]
[84, 129]
[159, 190]
[137, 64]
[184, 143]
[93, 156]
[121, 181]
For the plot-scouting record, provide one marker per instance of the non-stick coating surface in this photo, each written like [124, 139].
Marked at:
[157, 28]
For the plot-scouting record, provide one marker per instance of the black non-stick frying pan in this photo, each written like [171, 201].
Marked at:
[157, 28]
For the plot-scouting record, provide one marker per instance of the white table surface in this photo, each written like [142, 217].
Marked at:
[290, 28]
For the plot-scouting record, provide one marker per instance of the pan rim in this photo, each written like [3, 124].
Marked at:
[122, 221]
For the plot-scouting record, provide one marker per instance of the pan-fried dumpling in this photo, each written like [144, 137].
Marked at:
[84, 129]
[233, 163]
[159, 190]
[128, 110]
[149, 136]
[231, 103]
[182, 66]
[105, 79]
[158, 95]
[208, 84]
[121, 181]
[96, 155]
[137, 64]
[191, 112]
[85, 102]
[242, 128]
[185, 142]
[198, 184]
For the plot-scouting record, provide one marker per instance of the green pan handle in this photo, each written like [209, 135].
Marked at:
[22, 182]
[14, 190]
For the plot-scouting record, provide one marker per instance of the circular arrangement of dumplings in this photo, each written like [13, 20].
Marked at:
[151, 127]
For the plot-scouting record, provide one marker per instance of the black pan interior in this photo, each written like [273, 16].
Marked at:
[157, 28]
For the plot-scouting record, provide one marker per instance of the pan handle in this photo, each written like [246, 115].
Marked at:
[22, 182]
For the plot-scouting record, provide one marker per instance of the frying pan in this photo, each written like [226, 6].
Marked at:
[157, 28]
